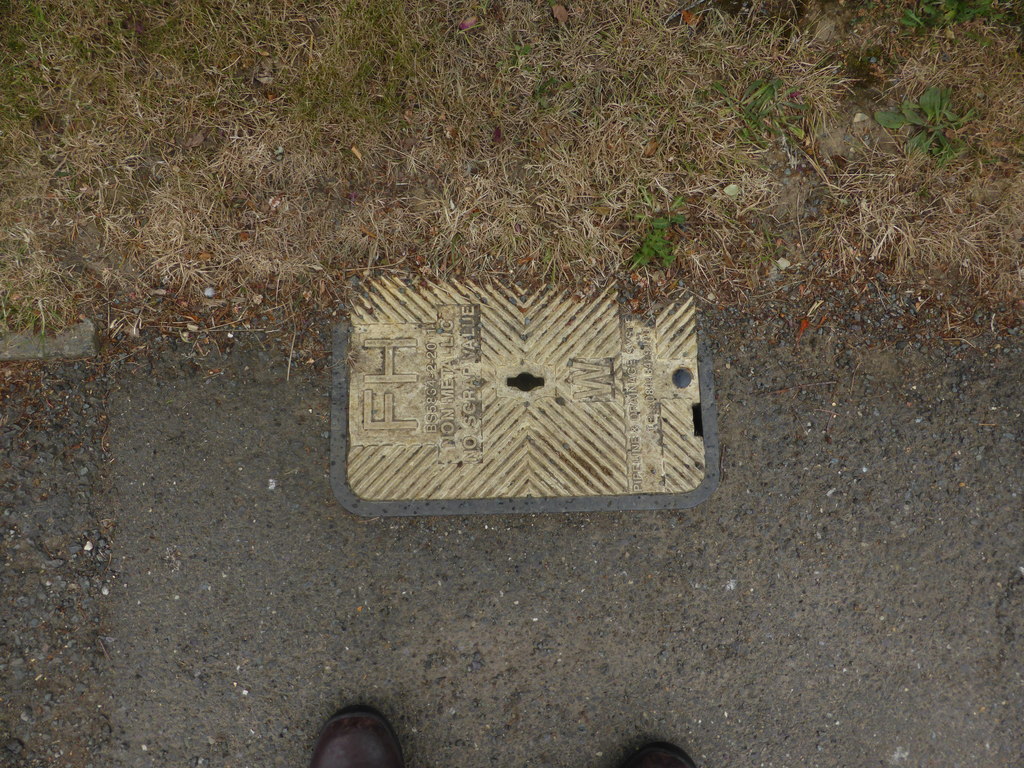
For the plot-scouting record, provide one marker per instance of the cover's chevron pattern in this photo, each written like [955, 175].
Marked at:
[676, 330]
[433, 414]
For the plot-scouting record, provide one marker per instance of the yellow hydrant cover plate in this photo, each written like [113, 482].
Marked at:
[462, 398]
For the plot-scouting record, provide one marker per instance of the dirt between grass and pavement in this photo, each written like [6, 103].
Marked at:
[852, 595]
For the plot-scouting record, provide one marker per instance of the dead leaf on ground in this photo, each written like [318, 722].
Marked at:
[683, 16]
[355, 151]
[651, 148]
[561, 15]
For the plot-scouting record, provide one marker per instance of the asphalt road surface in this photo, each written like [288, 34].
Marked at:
[852, 595]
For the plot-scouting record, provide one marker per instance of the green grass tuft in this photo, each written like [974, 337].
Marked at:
[934, 121]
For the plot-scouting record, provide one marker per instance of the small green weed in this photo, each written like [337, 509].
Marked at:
[545, 91]
[519, 59]
[768, 109]
[935, 121]
[659, 245]
[943, 13]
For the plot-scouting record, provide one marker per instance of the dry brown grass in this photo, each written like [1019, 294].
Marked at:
[944, 224]
[601, 126]
[271, 150]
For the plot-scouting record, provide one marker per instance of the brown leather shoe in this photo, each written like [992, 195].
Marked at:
[659, 755]
[357, 737]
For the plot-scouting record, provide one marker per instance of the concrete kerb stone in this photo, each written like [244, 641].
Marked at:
[80, 340]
